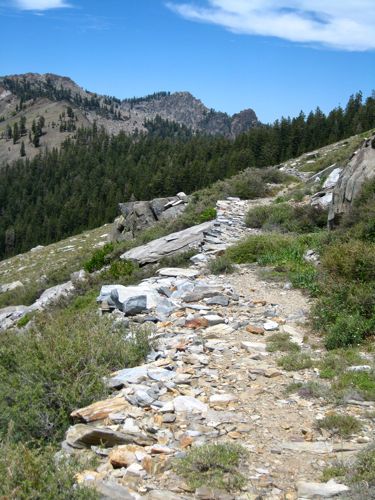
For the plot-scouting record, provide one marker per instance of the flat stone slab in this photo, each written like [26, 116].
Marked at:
[83, 436]
[102, 409]
[178, 272]
[317, 447]
[168, 245]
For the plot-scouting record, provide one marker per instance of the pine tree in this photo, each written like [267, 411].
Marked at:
[23, 129]
[9, 132]
[22, 150]
[16, 133]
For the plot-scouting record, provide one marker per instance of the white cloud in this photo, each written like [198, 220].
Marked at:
[40, 4]
[340, 24]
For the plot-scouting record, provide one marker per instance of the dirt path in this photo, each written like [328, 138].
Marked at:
[211, 380]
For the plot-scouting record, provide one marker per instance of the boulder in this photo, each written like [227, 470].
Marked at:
[10, 286]
[133, 300]
[83, 436]
[102, 409]
[169, 245]
[139, 215]
[10, 315]
[320, 490]
[53, 295]
[322, 200]
[360, 169]
[332, 179]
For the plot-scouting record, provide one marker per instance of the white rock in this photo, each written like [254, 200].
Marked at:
[270, 326]
[214, 319]
[136, 470]
[189, 404]
[199, 258]
[254, 346]
[360, 368]
[321, 490]
[168, 407]
[218, 399]
[10, 286]
[332, 179]
[322, 200]
[53, 295]
[37, 249]
[218, 330]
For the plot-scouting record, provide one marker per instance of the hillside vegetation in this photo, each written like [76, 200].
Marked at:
[63, 192]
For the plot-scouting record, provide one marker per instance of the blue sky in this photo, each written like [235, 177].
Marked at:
[277, 57]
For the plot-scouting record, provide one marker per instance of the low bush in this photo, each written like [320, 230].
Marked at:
[310, 390]
[207, 215]
[280, 342]
[364, 467]
[338, 361]
[295, 361]
[355, 384]
[30, 474]
[360, 220]
[179, 259]
[283, 251]
[213, 466]
[57, 366]
[347, 330]
[120, 268]
[341, 425]
[98, 259]
[25, 295]
[287, 218]
[352, 260]
[221, 265]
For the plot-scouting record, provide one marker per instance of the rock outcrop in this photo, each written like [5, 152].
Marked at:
[169, 245]
[139, 215]
[360, 169]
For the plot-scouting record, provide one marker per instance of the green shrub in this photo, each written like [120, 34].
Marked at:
[58, 366]
[179, 259]
[347, 330]
[337, 362]
[98, 259]
[342, 425]
[352, 260]
[360, 220]
[266, 249]
[310, 390]
[207, 215]
[364, 467]
[120, 268]
[221, 265]
[361, 383]
[25, 295]
[25, 320]
[295, 361]
[213, 466]
[334, 471]
[280, 342]
[287, 218]
[31, 474]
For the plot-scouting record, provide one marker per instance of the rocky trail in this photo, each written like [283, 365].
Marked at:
[211, 379]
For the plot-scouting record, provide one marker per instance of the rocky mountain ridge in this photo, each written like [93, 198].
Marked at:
[65, 106]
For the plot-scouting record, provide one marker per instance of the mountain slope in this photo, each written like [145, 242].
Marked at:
[65, 107]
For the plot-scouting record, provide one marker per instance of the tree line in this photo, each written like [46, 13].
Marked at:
[63, 192]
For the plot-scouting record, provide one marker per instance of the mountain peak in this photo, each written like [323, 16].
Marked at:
[32, 95]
